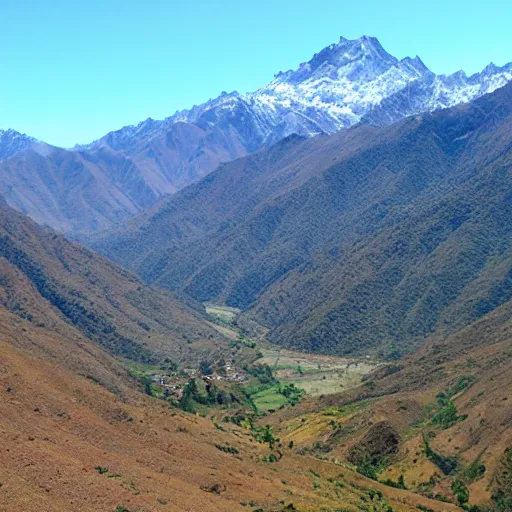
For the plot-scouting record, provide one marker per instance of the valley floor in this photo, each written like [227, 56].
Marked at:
[316, 374]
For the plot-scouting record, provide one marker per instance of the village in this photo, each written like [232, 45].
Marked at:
[220, 370]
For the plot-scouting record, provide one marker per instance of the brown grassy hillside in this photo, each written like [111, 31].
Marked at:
[58, 285]
[78, 433]
[441, 416]
[70, 444]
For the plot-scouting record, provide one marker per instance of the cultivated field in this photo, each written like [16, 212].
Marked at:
[224, 313]
[316, 374]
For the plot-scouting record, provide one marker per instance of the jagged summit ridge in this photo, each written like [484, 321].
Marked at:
[347, 58]
[345, 83]
[12, 141]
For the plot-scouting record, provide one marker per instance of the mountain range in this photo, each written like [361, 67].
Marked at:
[373, 237]
[359, 206]
[100, 185]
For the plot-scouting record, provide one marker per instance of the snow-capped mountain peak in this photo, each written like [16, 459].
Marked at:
[339, 85]
[347, 58]
[347, 82]
[416, 63]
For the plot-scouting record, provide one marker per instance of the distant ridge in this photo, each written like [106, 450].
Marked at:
[100, 185]
[11, 142]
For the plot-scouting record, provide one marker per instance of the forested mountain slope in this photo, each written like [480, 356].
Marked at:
[370, 237]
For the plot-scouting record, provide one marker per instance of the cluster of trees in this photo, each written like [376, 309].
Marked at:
[196, 393]
[263, 372]
[448, 464]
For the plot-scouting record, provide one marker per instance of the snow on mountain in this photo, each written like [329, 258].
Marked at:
[12, 141]
[339, 84]
[433, 92]
[128, 170]
[345, 83]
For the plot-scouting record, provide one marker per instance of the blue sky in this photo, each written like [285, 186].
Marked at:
[70, 71]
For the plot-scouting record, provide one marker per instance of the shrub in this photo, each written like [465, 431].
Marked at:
[400, 484]
[227, 449]
[447, 416]
[147, 386]
[205, 367]
[461, 492]
[447, 464]
[366, 469]
[474, 471]
[263, 373]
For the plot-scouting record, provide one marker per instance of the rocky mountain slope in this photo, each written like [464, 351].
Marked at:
[100, 185]
[370, 238]
[73, 191]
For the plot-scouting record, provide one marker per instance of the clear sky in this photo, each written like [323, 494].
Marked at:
[73, 70]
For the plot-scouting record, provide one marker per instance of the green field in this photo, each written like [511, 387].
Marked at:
[224, 313]
[316, 374]
[269, 399]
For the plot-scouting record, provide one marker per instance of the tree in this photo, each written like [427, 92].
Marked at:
[147, 386]
[205, 367]
[461, 492]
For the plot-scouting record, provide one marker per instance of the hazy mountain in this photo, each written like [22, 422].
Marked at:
[12, 142]
[73, 191]
[371, 237]
[100, 185]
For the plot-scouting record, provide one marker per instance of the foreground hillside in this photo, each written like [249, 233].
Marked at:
[369, 239]
[438, 423]
[69, 444]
